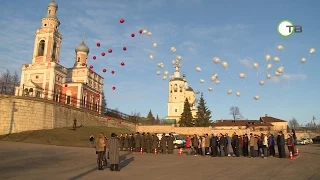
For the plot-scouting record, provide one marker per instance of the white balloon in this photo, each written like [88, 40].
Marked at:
[224, 64]
[213, 78]
[145, 31]
[277, 73]
[256, 65]
[280, 69]
[216, 60]
[179, 65]
[149, 33]
[215, 74]
[217, 82]
[201, 80]
[162, 65]
[159, 64]
[280, 47]
[155, 44]
[198, 69]
[256, 97]
[179, 58]
[171, 77]
[238, 94]
[173, 49]
[210, 89]
[269, 66]
[276, 59]
[268, 57]
[261, 82]
[303, 60]
[158, 72]
[268, 76]
[151, 57]
[229, 91]
[242, 75]
[196, 91]
[164, 77]
[165, 73]
[312, 50]
[174, 62]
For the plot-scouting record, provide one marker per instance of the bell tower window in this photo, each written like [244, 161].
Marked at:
[54, 50]
[41, 48]
[49, 11]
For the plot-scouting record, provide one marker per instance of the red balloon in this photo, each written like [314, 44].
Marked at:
[98, 44]
[122, 64]
[140, 31]
[109, 50]
[83, 64]
[132, 35]
[113, 88]
[66, 85]
[91, 66]
[121, 20]
[124, 48]
[103, 54]
[104, 70]
[94, 57]
[112, 72]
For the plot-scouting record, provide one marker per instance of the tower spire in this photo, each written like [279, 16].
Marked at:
[83, 35]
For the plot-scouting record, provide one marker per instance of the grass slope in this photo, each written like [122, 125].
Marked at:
[61, 136]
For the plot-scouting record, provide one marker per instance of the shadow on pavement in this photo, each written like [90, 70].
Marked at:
[126, 162]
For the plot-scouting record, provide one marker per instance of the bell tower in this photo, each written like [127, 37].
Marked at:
[48, 39]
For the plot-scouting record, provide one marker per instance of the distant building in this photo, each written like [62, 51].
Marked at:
[179, 90]
[77, 86]
[266, 123]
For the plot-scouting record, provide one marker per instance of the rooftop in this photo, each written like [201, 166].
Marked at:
[241, 123]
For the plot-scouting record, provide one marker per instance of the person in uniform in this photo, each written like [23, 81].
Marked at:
[213, 145]
[155, 142]
[163, 142]
[148, 143]
[121, 141]
[245, 145]
[170, 144]
[126, 142]
[138, 142]
[131, 142]
[143, 142]
[114, 157]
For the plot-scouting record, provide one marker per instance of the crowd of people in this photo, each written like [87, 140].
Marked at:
[252, 145]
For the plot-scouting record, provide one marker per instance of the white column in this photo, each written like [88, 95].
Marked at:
[35, 48]
[51, 82]
[79, 93]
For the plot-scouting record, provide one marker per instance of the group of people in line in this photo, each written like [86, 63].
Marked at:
[254, 145]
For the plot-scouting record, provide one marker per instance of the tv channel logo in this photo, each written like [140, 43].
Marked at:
[286, 28]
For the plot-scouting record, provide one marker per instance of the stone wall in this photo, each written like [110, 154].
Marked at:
[18, 114]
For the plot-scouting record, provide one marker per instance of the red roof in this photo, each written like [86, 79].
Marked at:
[269, 119]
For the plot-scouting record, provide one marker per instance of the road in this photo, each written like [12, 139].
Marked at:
[34, 161]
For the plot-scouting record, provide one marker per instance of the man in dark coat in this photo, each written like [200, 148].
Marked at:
[282, 145]
[148, 143]
[213, 145]
[155, 142]
[170, 144]
[222, 145]
[163, 142]
[114, 158]
[143, 142]
[137, 142]
[121, 142]
[233, 143]
[126, 142]
[271, 145]
[245, 145]
[195, 144]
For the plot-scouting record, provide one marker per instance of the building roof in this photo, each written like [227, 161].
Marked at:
[240, 123]
[269, 119]
[177, 79]
[82, 48]
[53, 4]
[189, 89]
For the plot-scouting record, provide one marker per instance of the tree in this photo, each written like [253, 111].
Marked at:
[293, 123]
[104, 104]
[150, 117]
[157, 120]
[186, 119]
[204, 114]
[8, 82]
[235, 112]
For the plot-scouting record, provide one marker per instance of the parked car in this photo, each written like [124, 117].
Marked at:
[316, 139]
[306, 141]
[300, 142]
[178, 142]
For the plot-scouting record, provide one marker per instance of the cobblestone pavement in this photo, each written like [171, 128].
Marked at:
[33, 161]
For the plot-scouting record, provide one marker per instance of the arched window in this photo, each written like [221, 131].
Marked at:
[54, 50]
[91, 102]
[97, 105]
[41, 48]
[57, 95]
[49, 11]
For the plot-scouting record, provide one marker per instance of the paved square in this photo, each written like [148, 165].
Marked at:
[32, 161]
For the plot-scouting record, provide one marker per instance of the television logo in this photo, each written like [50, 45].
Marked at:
[286, 28]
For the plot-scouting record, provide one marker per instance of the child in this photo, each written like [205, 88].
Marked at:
[91, 140]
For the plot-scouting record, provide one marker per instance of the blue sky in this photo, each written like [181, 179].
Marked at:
[238, 32]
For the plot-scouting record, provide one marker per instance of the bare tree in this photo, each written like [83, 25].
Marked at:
[235, 112]
[15, 82]
[8, 82]
[293, 123]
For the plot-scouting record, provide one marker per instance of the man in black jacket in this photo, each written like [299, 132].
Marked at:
[214, 145]
[222, 145]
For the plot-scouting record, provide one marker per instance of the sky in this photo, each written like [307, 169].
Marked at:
[238, 32]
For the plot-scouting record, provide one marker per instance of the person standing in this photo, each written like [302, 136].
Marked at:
[213, 145]
[203, 145]
[170, 144]
[264, 139]
[155, 143]
[222, 145]
[148, 143]
[207, 151]
[271, 145]
[143, 142]
[245, 145]
[121, 141]
[100, 149]
[163, 142]
[138, 142]
[294, 136]
[282, 145]
[126, 142]
[91, 139]
[195, 144]
[252, 145]
[290, 143]
[114, 158]
[228, 145]
[74, 124]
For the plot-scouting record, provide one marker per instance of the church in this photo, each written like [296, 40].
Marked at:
[45, 77]
[179, 90]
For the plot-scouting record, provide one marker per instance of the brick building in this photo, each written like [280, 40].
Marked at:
[45, 77]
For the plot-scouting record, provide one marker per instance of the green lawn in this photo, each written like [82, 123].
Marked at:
[61, 136]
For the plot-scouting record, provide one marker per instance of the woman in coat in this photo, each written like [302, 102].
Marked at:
[113, 146]
[100, 149]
